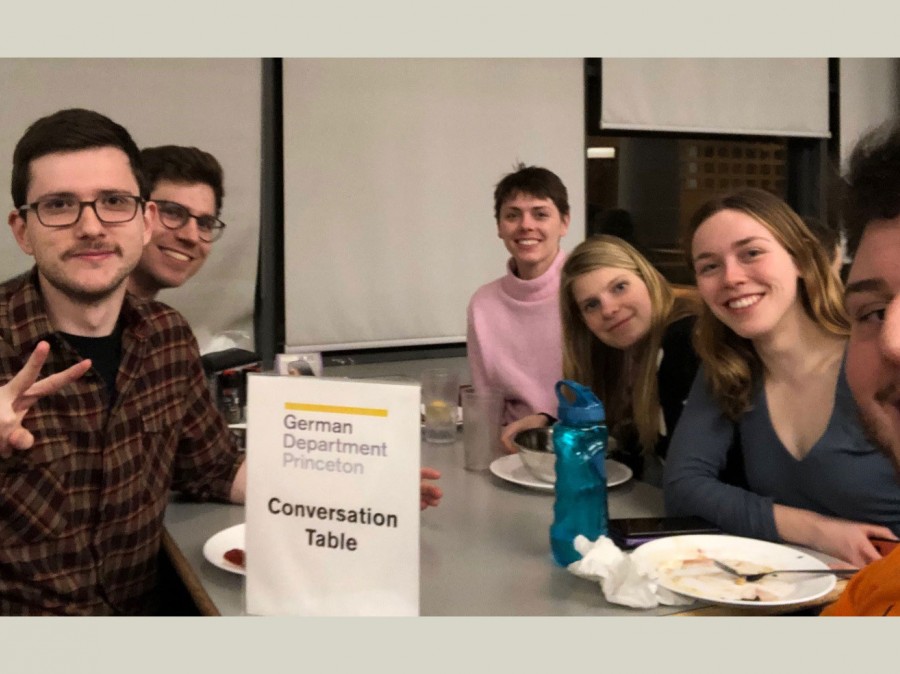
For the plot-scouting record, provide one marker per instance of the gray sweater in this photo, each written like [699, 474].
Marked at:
[843, 475]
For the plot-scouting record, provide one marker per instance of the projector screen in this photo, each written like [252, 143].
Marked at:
[762, 96]
[390, 167]
[213, 104]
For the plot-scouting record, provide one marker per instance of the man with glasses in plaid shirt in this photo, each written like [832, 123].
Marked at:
[89, 453]
[185, 183]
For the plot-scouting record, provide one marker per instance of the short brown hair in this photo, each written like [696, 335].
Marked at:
[871, 187]
[534, 180]
[181, 164]
[69, 130]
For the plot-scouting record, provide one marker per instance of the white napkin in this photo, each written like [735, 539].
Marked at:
[622, 579]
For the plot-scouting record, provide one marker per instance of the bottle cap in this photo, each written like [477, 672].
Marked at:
[586, 408]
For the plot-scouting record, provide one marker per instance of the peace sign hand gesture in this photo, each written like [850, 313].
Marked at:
[24, 390]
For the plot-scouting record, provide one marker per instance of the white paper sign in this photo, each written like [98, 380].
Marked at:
[332, 497]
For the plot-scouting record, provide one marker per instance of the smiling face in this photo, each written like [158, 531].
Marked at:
[614, 304]
[531, 229]
[873, 353]
[87, 262]
[745, 276]
[174, 255]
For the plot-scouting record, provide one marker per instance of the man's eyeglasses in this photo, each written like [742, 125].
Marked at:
[64, 211]
[175, 216]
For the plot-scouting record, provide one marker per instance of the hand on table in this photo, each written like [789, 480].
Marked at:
[845, 539]
[524, 424]
[850, 542]
[429, 494]
[22, 391]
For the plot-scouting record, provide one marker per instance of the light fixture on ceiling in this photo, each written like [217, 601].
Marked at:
[601, 153]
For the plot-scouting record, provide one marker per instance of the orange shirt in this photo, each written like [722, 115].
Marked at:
[874, 591]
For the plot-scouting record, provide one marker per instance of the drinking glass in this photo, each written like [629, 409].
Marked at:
[482, 412]
[440, 396]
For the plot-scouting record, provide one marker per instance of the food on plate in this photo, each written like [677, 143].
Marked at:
[698, 574]
[236, 557]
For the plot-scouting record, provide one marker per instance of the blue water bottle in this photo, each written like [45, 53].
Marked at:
[579, 442]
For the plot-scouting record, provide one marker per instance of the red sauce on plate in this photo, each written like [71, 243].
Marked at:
[235, 556]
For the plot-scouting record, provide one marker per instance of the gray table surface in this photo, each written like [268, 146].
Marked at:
[484, 551]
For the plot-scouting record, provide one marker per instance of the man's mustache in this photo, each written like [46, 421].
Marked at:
[81, 250]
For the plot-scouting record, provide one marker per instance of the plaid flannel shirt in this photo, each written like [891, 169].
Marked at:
[81, 512]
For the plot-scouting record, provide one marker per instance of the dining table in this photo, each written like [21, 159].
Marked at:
[483, 551]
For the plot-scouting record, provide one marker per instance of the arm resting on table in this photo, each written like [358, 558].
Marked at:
[696, 459]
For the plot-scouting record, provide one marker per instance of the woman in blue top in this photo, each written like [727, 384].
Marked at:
[771, 339]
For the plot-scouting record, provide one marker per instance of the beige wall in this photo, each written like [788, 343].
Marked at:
[390, 167]
[870, 93]
[211, 103]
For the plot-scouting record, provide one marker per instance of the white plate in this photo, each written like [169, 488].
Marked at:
[218, 544]
[459, 419]
[511, 469]
[711, 584]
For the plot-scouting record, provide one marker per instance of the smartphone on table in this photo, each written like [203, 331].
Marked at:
[630, 532]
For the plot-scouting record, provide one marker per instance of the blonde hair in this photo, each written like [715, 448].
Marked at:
[730, 361]
[589, 361]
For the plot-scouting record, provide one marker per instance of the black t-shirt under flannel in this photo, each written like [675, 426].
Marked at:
[81, 512]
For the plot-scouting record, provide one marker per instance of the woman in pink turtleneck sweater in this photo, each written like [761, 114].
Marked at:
[514, 340]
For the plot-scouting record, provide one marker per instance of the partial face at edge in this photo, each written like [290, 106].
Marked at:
[873, 353]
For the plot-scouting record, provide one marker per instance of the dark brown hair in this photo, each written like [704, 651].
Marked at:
[533, 180]
[180, 164]
[871, 187]
[69, 131]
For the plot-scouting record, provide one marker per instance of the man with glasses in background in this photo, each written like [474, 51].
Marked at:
[89, 453]
[185, 183]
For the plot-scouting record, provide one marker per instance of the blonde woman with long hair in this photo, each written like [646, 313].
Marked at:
[772, 337]
[626, 334]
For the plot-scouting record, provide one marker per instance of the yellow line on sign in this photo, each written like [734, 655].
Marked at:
[336, 409]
